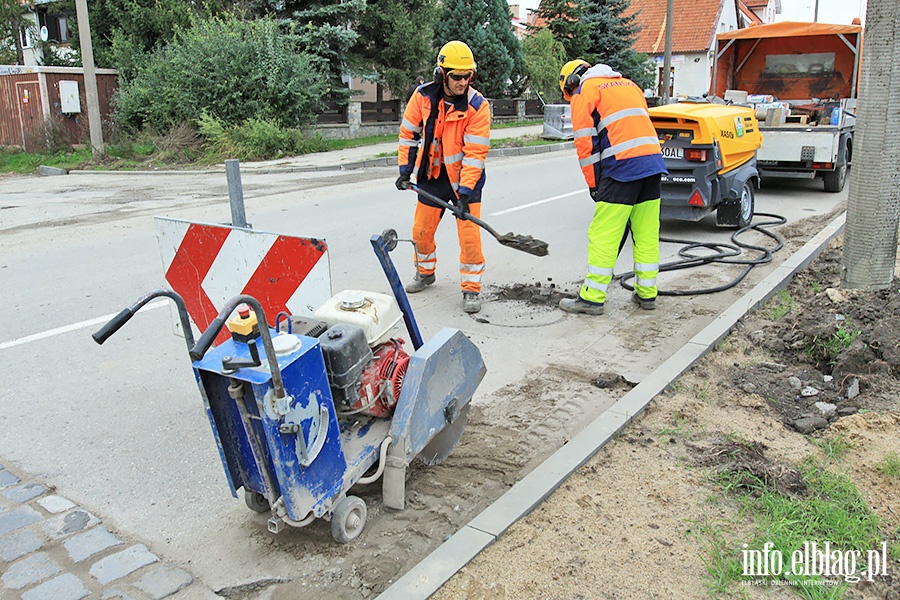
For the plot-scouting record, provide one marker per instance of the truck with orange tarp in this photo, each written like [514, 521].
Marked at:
[802, 81]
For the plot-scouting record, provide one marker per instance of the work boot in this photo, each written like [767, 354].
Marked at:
[471, 302]
[419, 283]
[644, 303]
[581, 306]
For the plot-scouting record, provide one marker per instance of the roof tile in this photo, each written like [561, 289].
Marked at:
[694, 25]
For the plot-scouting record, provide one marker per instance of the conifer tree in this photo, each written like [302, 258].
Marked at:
[611, 35]
[395, 41]
[564, 20]
[485, 25]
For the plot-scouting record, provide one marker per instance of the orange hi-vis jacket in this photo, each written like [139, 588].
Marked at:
[614, 136]
[457, 136]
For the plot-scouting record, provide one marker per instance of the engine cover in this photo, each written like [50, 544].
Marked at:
[381, 381]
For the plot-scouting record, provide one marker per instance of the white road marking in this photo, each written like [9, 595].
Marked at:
[536, 203]
[73, 327]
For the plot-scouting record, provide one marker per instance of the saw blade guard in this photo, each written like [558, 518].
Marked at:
[440, 380]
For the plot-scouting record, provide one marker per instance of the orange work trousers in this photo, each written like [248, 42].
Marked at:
[471, 259]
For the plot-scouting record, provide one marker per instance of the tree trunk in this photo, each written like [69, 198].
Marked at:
[873, 207]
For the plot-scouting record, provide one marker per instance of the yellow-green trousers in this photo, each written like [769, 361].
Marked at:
[604, 237]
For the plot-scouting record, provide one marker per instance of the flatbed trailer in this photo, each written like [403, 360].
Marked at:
[811, 69]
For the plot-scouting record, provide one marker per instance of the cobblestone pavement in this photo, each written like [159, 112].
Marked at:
[52, 549]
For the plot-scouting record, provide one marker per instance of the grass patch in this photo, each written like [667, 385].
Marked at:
[889, 466]
[19, 161]
[780, 306]
[511, 124]
[834, 448]
[829, 509]
[679, 426]
[357, 142]
[826, 351]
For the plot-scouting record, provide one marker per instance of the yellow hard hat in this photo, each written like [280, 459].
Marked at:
[570, 76]
[455, 55]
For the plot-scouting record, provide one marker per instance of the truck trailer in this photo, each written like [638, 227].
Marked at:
[802, 80]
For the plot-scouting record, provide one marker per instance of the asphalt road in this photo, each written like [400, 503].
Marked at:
[120, 428]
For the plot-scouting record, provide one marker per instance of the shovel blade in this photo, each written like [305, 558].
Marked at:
[524, 243]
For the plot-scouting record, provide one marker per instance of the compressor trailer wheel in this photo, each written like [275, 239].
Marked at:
[348, 519]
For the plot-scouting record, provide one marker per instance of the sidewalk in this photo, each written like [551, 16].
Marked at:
[52, 549]
[380, 155]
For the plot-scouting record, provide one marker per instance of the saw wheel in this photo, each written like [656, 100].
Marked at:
[441, 446]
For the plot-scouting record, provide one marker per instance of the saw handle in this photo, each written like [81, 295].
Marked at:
[116, 323]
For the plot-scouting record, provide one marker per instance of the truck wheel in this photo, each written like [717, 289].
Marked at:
[348, 519]
[834, 180]
[747, 204]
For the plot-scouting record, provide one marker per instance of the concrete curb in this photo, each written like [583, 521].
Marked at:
[430, 574]
[387, 161]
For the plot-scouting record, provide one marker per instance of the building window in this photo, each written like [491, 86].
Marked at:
[57, 27]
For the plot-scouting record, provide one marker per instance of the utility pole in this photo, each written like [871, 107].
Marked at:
[666, 77]
[873, 205]
[90, 78]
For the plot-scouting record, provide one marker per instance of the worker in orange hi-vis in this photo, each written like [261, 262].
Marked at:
[445, 136]
[620, 158]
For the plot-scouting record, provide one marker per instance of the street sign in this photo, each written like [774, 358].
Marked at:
[207, 265]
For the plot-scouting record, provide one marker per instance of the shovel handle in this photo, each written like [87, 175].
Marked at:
[454, 209]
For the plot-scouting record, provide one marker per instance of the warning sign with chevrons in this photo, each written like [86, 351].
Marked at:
[207, 265]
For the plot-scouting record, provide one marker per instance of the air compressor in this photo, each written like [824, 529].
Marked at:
[306, 409]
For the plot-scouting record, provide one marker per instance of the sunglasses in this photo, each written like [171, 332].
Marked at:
[460, 76]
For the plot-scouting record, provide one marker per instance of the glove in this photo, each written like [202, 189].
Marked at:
[402, 182]
[595, 194]
[462, 203]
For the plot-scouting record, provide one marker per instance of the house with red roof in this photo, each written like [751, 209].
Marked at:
[694, 28]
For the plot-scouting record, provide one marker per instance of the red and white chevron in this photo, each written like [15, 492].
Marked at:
[207, 265]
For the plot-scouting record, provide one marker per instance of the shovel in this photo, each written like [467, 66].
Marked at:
[523, 243]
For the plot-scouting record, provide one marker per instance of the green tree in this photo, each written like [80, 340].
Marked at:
[230, 69]
[611, 35]
[323, 29]
[544, 57]
[123, 32]
[395, 41]
[13, 24]
[485, 25]
[564, 20]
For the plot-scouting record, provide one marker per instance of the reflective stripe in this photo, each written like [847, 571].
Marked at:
[623, 114]
[429, 265]
[477, 139]
[411, 127]
[472, 268]
[590, 160]
[453, 158]
[429, 256]
[600, 271]
[641, 141]
[596, 286]
[454, 185]
[645, 282]
[586, 132]
[472, 162]
[406, 142]
[646, 266]
[470, 278]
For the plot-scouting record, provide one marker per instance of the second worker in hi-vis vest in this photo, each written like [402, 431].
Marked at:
[620, 157]
[445, 136]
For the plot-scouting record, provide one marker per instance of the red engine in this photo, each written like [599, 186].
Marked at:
[380, 382]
